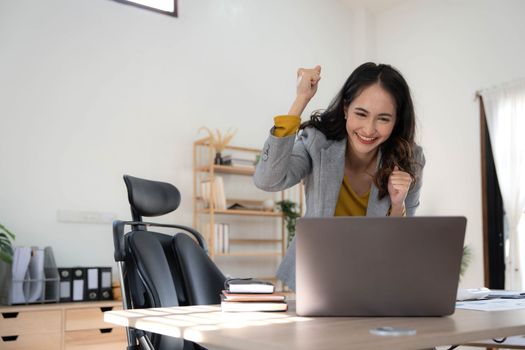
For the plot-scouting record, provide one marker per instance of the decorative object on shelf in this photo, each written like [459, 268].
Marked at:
[268, 205]
[219, 141]
[237, 161]
[6, 248]
[291, 213]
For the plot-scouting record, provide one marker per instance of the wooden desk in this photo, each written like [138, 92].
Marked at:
[212, 328]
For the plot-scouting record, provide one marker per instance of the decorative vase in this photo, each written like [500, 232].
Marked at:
[268, 205]
[218, 158]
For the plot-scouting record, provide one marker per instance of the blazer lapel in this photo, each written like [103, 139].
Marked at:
[331, 176]
[377, 207]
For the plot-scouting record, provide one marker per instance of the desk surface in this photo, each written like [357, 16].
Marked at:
[212, 328]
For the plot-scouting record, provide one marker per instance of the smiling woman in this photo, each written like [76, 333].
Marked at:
[168, 7]
[356, 158]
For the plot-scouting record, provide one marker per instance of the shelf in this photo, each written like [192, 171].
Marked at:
[206, 142]
[243, 212]
[249, 254]
[227, 169]
[253, 241]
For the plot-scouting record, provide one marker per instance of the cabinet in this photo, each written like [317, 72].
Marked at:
[229, 211]
[66, 326]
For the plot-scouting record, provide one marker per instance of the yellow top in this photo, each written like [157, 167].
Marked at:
[348, 203]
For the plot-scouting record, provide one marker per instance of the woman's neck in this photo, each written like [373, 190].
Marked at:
[360, 162]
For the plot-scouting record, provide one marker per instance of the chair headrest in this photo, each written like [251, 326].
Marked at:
[151, 198]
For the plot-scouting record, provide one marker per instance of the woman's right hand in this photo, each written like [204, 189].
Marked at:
[307, 80]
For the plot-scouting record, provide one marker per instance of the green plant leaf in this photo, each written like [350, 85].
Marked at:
[291, 213]
[4, 229]
[8, 258]
[6, 249]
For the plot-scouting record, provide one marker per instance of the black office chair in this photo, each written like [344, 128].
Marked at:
[158, 269]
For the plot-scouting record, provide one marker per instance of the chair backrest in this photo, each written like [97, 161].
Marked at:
[159, 269]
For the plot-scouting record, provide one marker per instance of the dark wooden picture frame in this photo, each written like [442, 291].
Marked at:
[169, 13]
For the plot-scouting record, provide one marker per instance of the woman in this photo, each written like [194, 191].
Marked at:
[356, 158]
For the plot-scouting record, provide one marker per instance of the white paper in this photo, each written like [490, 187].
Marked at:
[92, 275]
[509, 293]
[65, 289]
[106, 280]
[21, 258]
[78, 290]
[492, 304]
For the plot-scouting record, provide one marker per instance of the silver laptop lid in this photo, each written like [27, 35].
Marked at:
[378, 266]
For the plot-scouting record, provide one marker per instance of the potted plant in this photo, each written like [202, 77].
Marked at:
[6, 248]
[291, 213]
[219, 141]
[6, 259]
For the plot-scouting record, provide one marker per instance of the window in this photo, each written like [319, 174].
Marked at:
[168, 7]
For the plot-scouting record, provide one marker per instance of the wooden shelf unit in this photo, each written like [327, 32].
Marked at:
[205, 213]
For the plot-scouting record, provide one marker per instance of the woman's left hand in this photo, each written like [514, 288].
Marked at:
[398, 186]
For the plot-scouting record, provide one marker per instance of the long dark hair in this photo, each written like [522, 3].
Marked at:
[398, 149]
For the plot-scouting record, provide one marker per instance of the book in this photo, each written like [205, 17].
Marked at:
[248, 285]
[252, 297]
[214, 192]
[247, 306]
[222, 238]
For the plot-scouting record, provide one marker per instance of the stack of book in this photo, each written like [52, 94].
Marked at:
[238, 162]
[251, 295]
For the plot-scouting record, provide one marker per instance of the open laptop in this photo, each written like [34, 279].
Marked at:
[378, 266]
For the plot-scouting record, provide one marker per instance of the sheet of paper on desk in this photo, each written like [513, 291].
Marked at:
[492, 304]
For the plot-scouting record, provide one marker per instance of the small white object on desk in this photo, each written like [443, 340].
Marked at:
[472, 293]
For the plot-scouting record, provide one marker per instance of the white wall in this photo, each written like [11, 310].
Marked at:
[92, 89]
[447, 50]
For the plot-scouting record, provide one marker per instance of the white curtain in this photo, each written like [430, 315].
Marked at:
[505, 111]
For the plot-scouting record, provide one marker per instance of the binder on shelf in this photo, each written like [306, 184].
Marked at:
[65, 275]
[78, 284]
[105, 279]
[92, 284]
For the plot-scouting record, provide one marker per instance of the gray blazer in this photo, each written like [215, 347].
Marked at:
[320, 163]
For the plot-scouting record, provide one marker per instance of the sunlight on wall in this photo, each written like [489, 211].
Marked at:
[163, 5]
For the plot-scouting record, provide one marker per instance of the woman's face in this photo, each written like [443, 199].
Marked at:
[370, 119]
